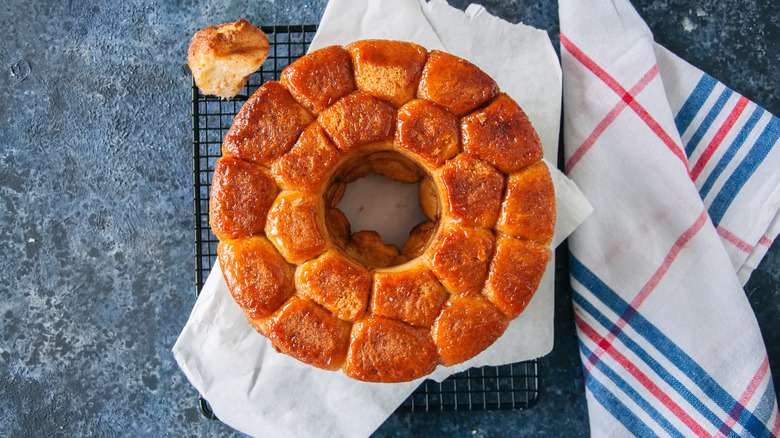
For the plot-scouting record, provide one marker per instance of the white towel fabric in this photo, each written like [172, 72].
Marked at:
[682, 173]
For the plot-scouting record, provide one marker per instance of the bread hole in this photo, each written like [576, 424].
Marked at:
[374, 214]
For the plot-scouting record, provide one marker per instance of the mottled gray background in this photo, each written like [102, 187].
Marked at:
[96, 222]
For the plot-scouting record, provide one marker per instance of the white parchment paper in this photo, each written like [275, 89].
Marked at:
[262, 393]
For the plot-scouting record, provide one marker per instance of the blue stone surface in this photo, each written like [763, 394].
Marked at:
[96, 222]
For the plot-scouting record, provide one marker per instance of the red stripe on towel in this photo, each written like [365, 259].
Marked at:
[718, 138]
[640, 111]
[751, 389]
[642, 378]
[734, 240]
[611, 116]
[679, 244]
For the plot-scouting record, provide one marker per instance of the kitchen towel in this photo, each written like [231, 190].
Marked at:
[682, 173]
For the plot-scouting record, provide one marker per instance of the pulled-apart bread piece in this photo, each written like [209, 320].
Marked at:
[222, 58]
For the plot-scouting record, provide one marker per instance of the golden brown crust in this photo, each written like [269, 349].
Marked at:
[389, 70]
[419, 238]
[241, 195]
[306, 166]
[412, 295]
[353, 302]
[454, 83]
[528, 210]
[502, 135]
[466, 327]
[428, 196]
[367, 248]
[427, 130]
[472, 191]
[385, 350]
[338, 226]
[267, 125]
[389, 164]
[309, 333]
[335, 193]
[222, 58]
[294, 226]
[336, 284]
[515, 273]
[320, 78]
[259, 279]
[460, 258]
[358, 119]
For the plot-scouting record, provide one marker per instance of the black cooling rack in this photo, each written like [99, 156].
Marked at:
[506, 387]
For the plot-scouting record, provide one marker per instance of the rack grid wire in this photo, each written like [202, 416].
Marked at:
[505, 387]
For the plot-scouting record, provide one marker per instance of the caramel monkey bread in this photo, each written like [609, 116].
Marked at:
[341, 300]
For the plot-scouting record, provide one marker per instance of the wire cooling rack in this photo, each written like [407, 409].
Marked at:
[506, 387]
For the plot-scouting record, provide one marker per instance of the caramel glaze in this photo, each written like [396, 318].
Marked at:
[419, 239]
[358, 119]
[412, 295]
[389, 70]
[241, 195]
[455, 84]
[460, 258]
[394, 166]
[429, 199]
[466, 327]
[259, 279]
[309, 333]
[320, 78]
[501, 135]
[387, 350]
[427, 130]
[381, 314]
[294, 226]
[306, 166]
[368, 248]
[338, 227]
[472, 191]
[335, 283]
[515, 273]
[529, 210]
[266, 126]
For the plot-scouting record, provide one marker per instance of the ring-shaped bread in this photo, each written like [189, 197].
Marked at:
[337, 300]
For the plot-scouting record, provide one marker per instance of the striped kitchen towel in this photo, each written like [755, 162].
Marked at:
[682, 173]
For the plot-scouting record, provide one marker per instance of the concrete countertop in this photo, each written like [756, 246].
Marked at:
[96, 223]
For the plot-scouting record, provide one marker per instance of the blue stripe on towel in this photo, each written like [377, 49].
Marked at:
[744, 171]
[619, 410]
[635, 396]
[732, 150]
[642, 354]
[666, 346]
[694, 102]
[707, 122]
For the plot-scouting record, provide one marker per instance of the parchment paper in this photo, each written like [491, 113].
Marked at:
[260, 392]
